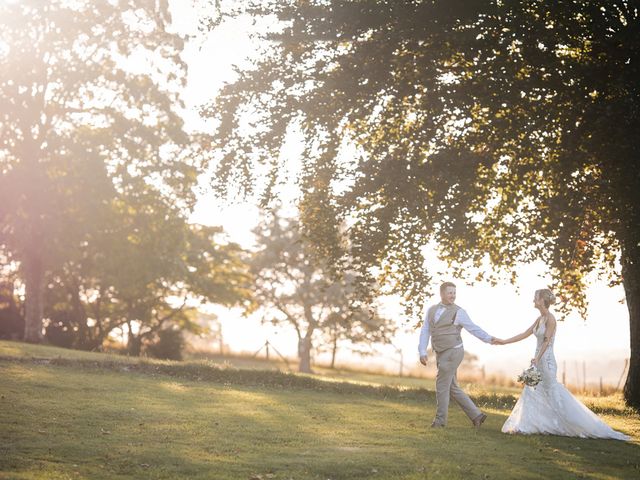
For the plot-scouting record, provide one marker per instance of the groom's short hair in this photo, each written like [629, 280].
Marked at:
[445, 285]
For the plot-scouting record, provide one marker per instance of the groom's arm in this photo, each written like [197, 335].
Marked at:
[424, 339]
[462, 319]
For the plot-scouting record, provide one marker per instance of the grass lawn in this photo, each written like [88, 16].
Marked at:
[75, 415]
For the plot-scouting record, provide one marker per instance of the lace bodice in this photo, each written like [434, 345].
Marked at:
[539, 331]
[547, 363]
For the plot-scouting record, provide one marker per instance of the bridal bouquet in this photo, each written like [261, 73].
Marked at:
[531, 377]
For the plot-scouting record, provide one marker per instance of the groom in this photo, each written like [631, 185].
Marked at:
[443, 323]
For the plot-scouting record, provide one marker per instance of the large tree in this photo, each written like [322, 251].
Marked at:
[503, 131]
[146, 271]
[83, 85]
[163, 268]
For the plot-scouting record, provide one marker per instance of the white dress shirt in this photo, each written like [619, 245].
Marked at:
[462, 319]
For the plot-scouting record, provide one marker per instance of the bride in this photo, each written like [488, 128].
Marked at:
[549, 407]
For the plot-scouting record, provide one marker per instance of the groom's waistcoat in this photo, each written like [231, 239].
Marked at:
[444, 334]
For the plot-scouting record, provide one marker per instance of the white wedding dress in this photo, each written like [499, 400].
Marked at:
[549, 408]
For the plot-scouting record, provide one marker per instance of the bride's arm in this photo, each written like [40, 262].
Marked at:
[522, 336]
[549, 331]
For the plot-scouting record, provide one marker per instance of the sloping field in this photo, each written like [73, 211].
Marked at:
[75, 415]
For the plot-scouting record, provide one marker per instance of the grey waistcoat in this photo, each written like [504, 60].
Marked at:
[444, 334]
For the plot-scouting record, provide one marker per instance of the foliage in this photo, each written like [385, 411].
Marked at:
[88, 105]
[501, 132]
[11, 316]
[297, 285]
[168, 345]
[97, 174]
[151, 269]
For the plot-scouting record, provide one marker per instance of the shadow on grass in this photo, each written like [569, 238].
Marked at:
[263, 378]
[144, 423]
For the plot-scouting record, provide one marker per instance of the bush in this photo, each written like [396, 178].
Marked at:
[169, 345]
[11, 321]
[59, 332]
[11, 324]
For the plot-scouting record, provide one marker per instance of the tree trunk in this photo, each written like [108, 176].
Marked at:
[631, 281]
[134, 348]
[83, 340]
[34, 299]
[334, 350]
[134, 342]
[304, 344]
[304, 354]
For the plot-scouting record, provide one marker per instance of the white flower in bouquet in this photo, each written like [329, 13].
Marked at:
[531, 376]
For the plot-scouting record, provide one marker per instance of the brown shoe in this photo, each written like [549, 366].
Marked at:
[479, 420]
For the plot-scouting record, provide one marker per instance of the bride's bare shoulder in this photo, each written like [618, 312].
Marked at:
[550, 320]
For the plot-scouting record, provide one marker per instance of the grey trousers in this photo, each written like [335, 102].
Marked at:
[447, 386]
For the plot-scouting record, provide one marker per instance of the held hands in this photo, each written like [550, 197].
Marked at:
[497, 341]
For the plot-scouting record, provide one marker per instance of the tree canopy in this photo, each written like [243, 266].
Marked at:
[98, 175]
[295, 287]
[501, 131]
[89, 100]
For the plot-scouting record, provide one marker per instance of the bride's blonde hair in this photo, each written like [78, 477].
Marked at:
[547, 296]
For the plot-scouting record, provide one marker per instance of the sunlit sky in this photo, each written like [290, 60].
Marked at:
[602, 341]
